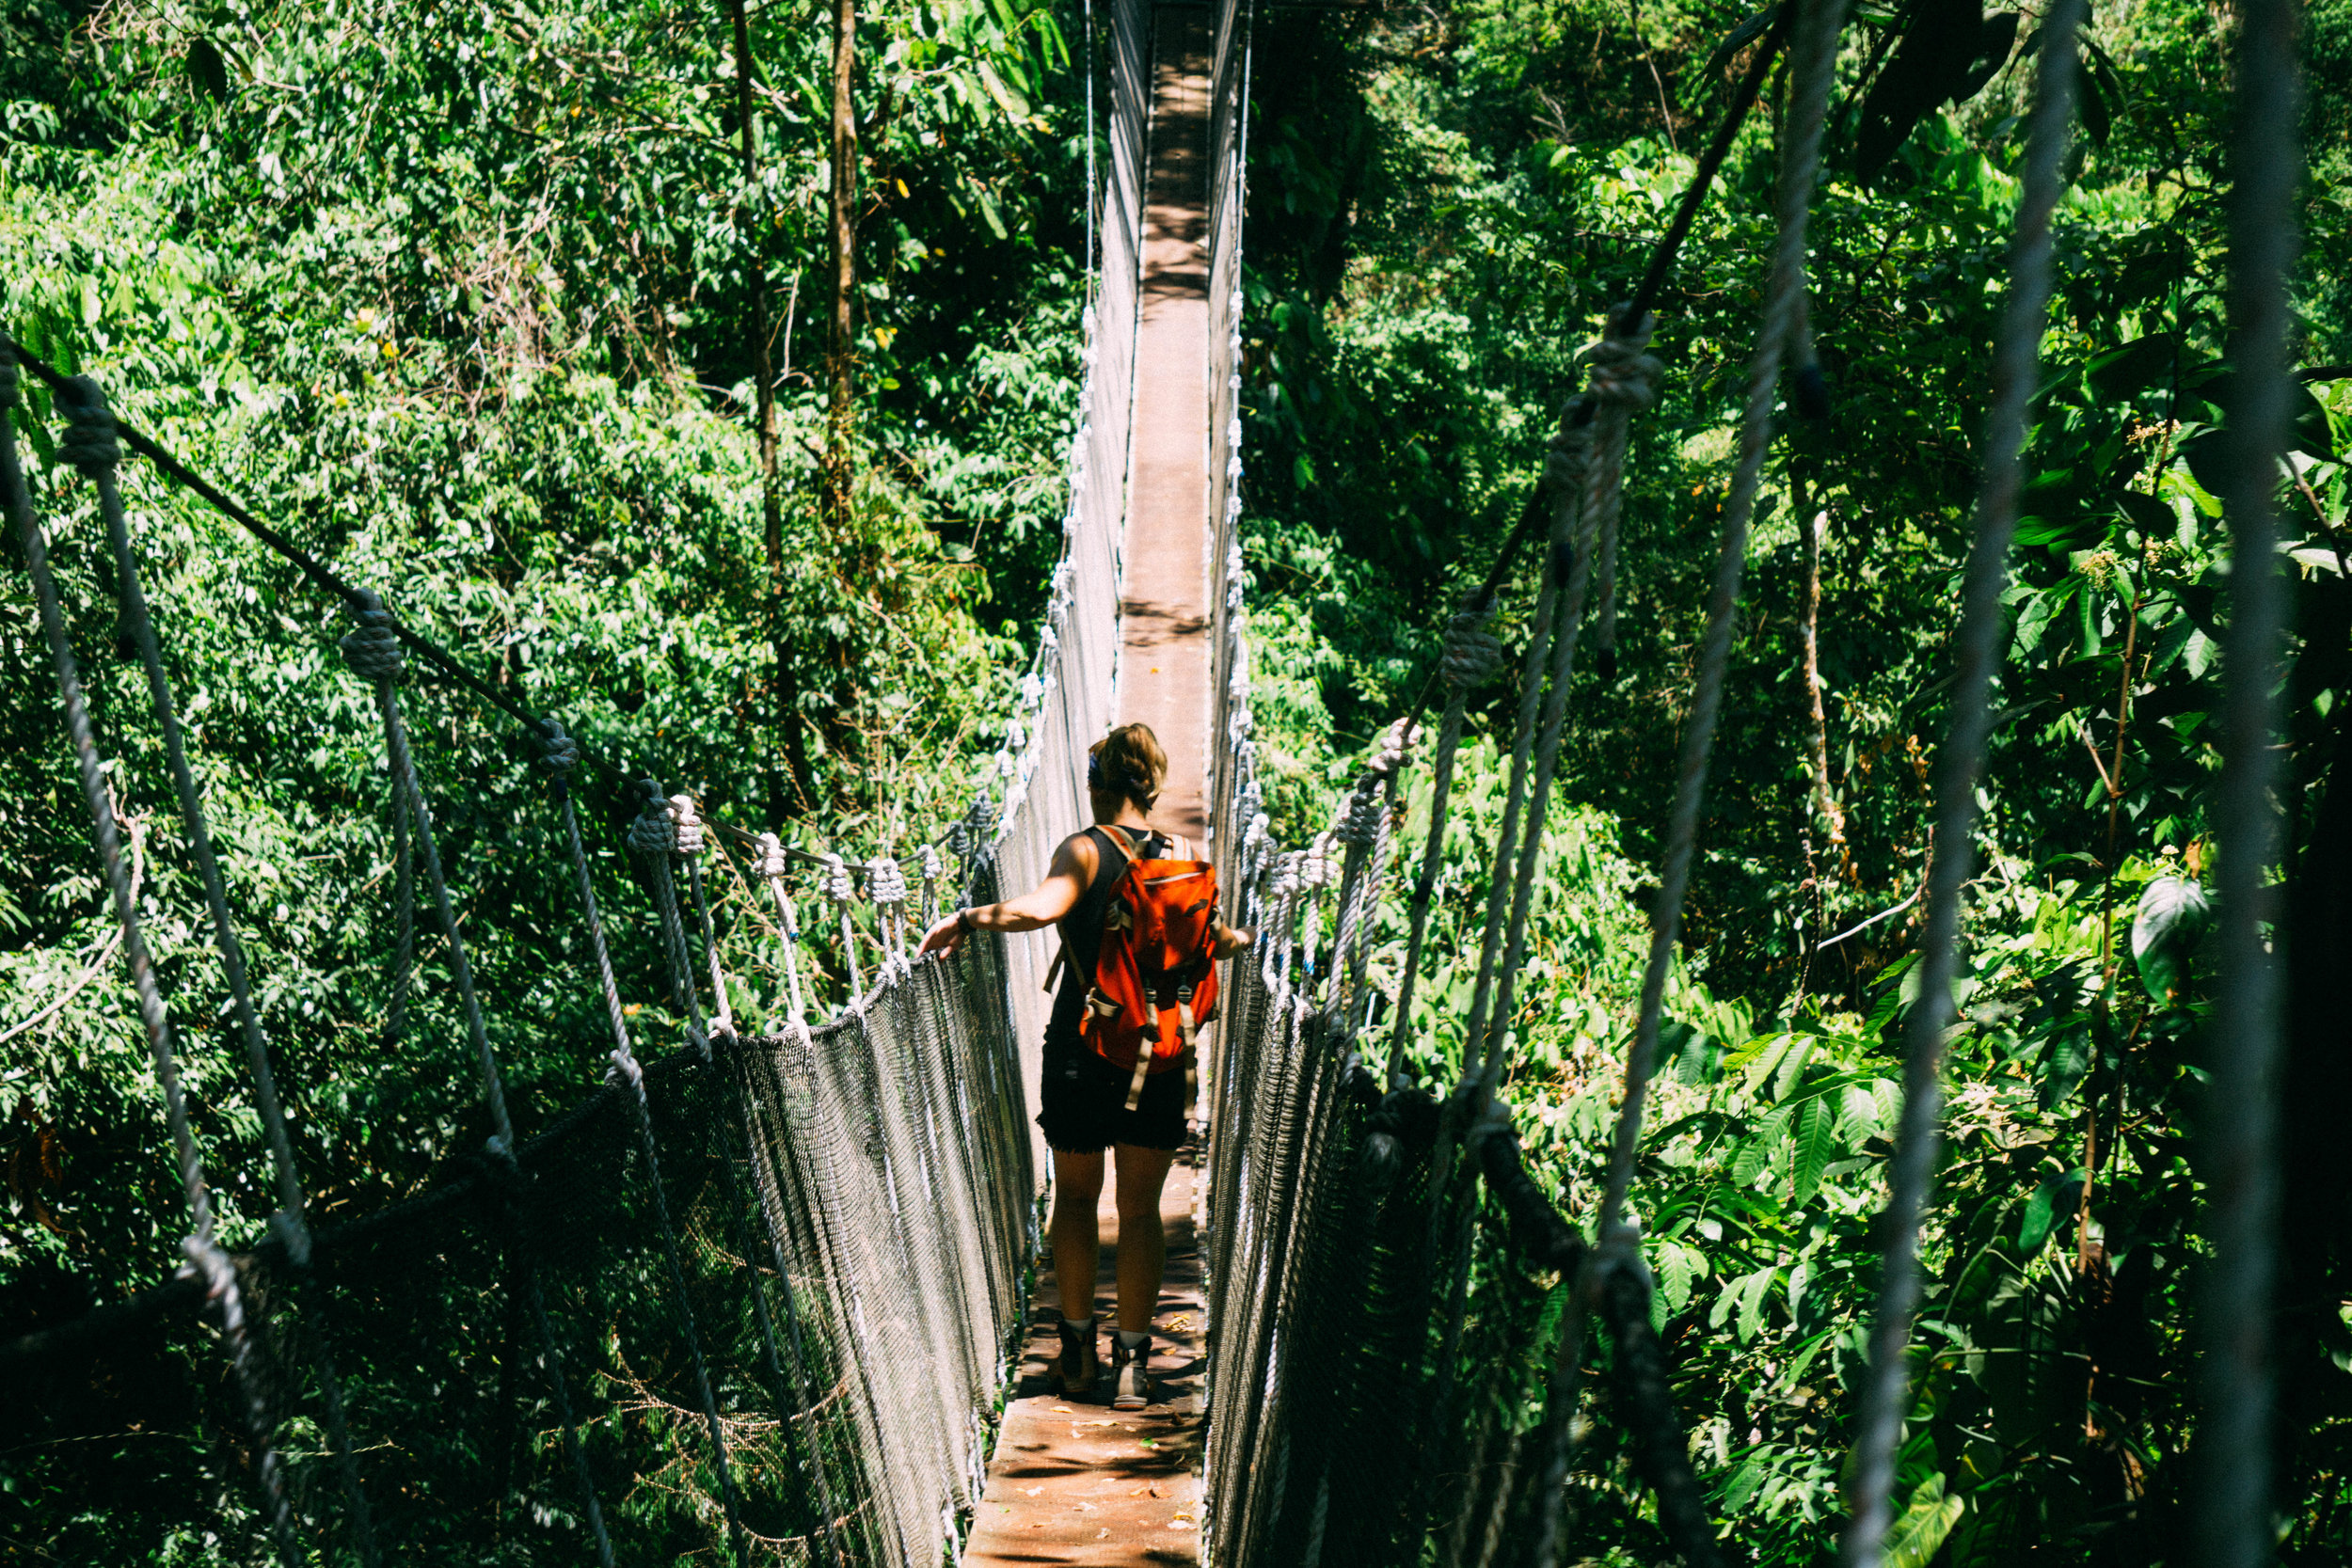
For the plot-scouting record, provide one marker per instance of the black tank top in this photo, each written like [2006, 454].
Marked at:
[1082, 931]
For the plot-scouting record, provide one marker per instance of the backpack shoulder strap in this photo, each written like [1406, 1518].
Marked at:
[1127, 848]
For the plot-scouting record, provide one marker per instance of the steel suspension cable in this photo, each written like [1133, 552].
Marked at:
[1885, 1393]
[2238, 1159]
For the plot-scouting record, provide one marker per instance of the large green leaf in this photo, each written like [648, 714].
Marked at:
[2173, 916]
[2065, 1060]
[1926, 1520]
[1814, 1128]
[1761, 1147]
[2043, 1209]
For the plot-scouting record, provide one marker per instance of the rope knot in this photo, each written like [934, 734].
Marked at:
[931, 867]
[1472, 654]
[767, 858]
[625, 1069]
[559, 753]
[89, 441]
[1360, 824]
[372, 648]
[1396, 744]
[1618, 370]
[686, 823]
[652, 832]
[1569, 448]
[885, 882]
[1281, 875]
[835, 884]
[1314, 867]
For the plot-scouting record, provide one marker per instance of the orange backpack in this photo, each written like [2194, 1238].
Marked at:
[1155, 979]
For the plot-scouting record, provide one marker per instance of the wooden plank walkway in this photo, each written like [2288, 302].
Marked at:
[1074, 1481]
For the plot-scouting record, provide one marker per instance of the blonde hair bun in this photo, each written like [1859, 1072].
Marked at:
[1129, 762]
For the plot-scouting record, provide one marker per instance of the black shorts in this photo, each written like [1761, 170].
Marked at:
[1082, 1104]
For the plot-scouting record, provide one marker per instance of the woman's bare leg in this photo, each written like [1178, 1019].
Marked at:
[1142, 1243]
[1077, 1240]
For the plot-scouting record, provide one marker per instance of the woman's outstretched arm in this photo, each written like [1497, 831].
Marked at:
[1066, 880]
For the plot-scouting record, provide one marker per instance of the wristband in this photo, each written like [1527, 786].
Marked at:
[963, 922]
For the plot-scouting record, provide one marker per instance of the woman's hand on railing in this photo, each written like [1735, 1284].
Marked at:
[1233, 938]
[947, 934]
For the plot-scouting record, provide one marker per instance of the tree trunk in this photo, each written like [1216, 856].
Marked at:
[784, 689]
[1824, 798]
[836, 476]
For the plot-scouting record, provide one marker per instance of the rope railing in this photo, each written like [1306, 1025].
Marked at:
[780, 1211]
[1324, 1189]
[1886, 1395]
[662, 1281]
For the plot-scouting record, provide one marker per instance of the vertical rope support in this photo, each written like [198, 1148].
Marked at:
[289, 1224]
[770, 866]
[656, 834]
[1453, 1207]
[90, 446]
[373, 650]
[1472, 657]
[1522, 755]
[2239, 1158]
[1813, 69]
[887, 885]
[1885, 1392]
[1814, 62]
[1623, 378]
[841, 889]
[559, 756]
[405, 902]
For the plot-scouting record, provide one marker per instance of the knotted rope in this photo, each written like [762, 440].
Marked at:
[887, 885]
[691, 840]
[932, 871]
[769, 864]
[838, 886]
[656, 834]
[1621, 379]
[1812, 68]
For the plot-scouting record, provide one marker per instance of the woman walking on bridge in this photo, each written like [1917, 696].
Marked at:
[1139, 936]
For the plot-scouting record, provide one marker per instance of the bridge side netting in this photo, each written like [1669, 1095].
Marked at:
[754, 1301]
[1068, 700]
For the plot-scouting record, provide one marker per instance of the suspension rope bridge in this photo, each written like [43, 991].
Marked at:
[786, 1273]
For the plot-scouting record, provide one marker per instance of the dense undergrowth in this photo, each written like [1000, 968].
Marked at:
[1443, 203]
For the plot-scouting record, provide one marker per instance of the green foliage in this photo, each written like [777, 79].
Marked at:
[460, 297]
[1442, 207]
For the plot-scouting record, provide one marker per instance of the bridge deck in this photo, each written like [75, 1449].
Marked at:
[1074, 1481]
